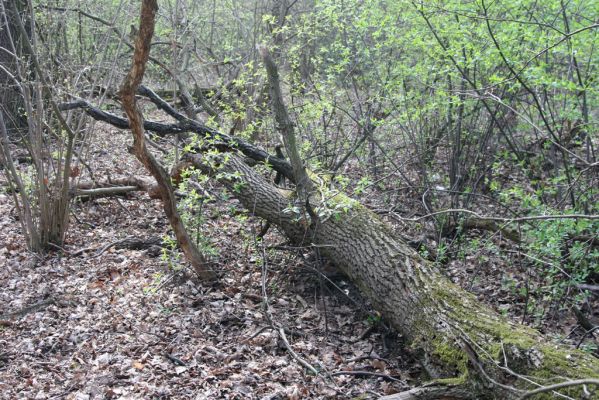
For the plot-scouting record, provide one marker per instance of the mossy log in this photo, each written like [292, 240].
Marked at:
[468, 350]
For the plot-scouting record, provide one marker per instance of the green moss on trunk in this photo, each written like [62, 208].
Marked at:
[463, 342]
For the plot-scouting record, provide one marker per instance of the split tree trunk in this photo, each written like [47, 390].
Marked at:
[469, 350]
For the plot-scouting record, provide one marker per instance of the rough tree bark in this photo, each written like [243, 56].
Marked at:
[128, 90]
[285, 126]
[470, 351]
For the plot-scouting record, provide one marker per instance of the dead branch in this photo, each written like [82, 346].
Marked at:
[561, 385]
[104, 192]
[502, 219]
[429, 393]
[492, 226]
[366, 374]
[114, 187]
[285, 126]
[130, 242]
[183, 125]
[28, 309]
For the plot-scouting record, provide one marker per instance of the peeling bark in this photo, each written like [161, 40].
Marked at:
[127, 92]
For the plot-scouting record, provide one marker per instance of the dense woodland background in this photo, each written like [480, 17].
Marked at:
[468, 127]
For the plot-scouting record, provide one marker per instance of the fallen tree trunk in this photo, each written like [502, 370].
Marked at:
[468, 350]
[471, 351]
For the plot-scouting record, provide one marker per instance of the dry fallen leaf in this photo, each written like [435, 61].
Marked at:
[137, 365]
[378, 364]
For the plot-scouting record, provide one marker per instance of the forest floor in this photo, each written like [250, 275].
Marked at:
[115, 323]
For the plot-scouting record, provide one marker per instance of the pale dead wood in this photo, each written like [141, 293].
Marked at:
[550, 388]
[115, 187]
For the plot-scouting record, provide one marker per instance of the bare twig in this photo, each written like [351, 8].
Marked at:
[108, 246]
[294, 354]
[558, 386]
[502, 219]
[366, 374]
[586, 333]
[279, 329]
